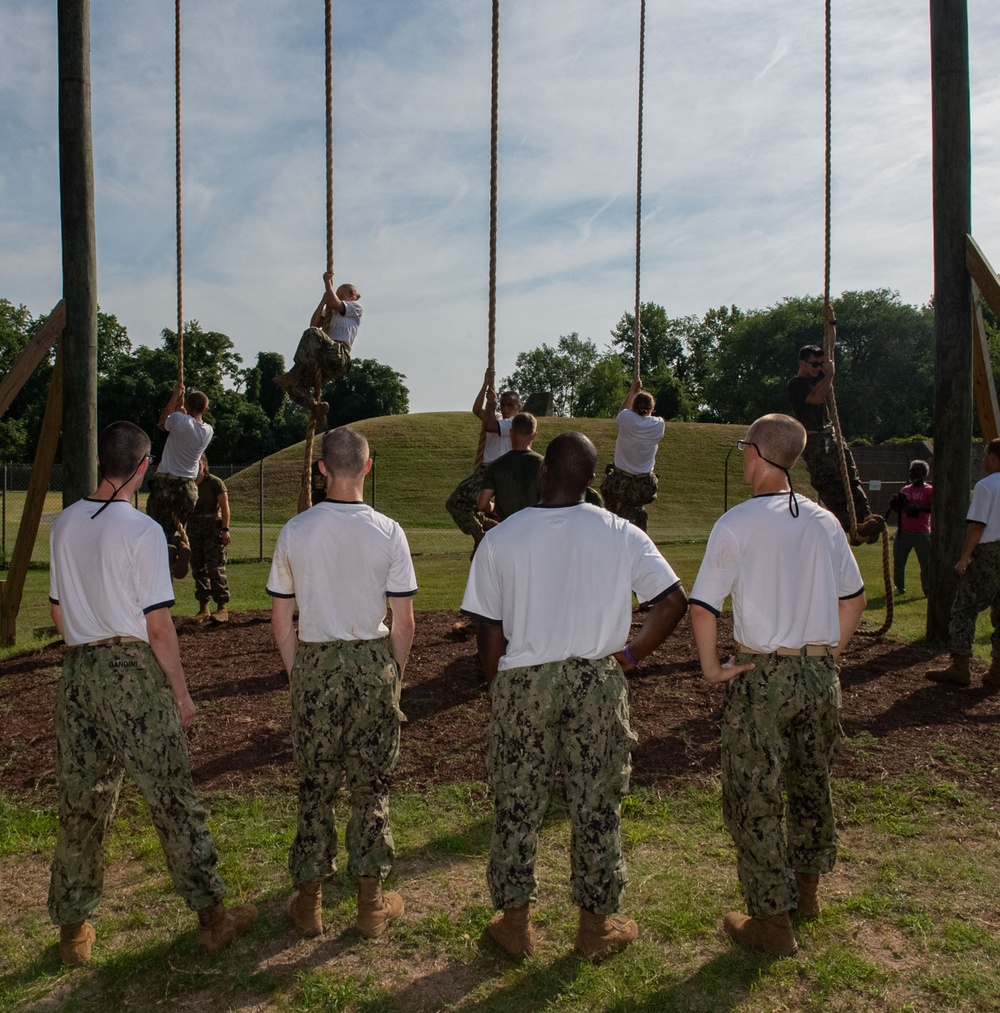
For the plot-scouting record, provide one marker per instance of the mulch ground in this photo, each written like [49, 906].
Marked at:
[896, 721]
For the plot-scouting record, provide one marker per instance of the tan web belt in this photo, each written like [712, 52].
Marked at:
[115, 641]
[807, 651]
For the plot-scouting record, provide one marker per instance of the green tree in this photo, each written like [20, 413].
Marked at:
[20, 426]
[662, 340]
[370, 390]
[562, 370]
[601, 394]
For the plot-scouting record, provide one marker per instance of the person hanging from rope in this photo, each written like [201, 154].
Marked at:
[173, 491]
[629, 483]
[807, 393]
[325, 346]
[461, 504]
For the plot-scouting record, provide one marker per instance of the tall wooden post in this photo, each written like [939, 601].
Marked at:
[952, 188]
[79, 252]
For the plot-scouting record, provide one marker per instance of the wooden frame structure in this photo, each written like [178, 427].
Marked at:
[985, 285]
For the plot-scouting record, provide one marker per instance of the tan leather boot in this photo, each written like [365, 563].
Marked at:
[601, 935]
[221, 925]
[305, 908]
[956, 674]
[375, 908]
[203, 612]
[220, 615]
[75, 942]
[512, 929]
[773, 935]
[808, 884]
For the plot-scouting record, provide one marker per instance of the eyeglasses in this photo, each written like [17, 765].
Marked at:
[813, 362]
[151, 459]
[743, 444]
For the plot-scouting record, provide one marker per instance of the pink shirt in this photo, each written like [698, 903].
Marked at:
[918, 496]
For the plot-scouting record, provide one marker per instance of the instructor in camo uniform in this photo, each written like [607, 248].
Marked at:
[123, 703]
[551, 590]
[339, 561]
[797, 597]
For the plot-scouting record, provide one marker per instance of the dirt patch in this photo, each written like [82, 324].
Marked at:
[896, 722]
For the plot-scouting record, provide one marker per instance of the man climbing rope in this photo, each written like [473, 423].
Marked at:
[807, 392]
[325, 346]
[629, 484]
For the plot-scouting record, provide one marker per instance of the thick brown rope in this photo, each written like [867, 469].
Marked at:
[830, 339]
[494, 131]
[177, 187]
[638, 192]
[305, 483]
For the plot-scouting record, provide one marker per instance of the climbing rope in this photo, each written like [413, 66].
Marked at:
[494, 131]
[177, 187]
[830, 341]
[638, 192]
[305, 483]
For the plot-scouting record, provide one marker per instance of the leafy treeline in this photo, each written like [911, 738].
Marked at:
[252, 416]
[732, 365]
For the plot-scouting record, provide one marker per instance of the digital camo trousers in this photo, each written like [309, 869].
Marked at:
[823, 461]
[978, 588]
[316, 351]
[574, 713]
[115, 714]
[780, 730]
[345, 726]
[170, 503]
[461, 504]
[208, 559]
[626, 495]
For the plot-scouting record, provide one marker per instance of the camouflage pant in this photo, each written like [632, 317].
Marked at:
[345, 722]
[780, 729]
[979, 588]
[170, 503]
[316, 351]
[921, 544]
[461, 504]
[116, 714]
[626, 495]
[823, 461]
[573, 713]
[208, 559]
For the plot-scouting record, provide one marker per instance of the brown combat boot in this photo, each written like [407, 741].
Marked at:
[305, 908]
[221, 925]
[808, 884]
[220, 615]
[956, 674]
[773, 935]
[991, 680]
[512, 929]
[601, 935]
[203, 612]
[75, 942]
[375, 908]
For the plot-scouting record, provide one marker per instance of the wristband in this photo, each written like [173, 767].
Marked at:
[225, 529]
[628, 654]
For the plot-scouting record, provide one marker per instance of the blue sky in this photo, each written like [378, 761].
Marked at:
[732, 182]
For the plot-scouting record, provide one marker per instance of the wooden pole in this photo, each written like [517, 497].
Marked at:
[79, 251]
[952, 188]
[34, 502]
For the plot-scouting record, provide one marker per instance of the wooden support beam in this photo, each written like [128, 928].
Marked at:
[984, 390]
[983, 274]
[34, 503]
[35, 350]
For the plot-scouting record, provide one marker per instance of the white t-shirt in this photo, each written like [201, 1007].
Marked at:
[497, 444]
[185, 444]
[561, 580]
[107, 572]
[786, 574]
[638, 438]
[344, 326]
[339, 561]
[985, 506]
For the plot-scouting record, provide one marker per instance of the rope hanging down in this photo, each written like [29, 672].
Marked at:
[494, 131]
[177, 187]
[830, 338]
[305, 483]
[638, 192]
